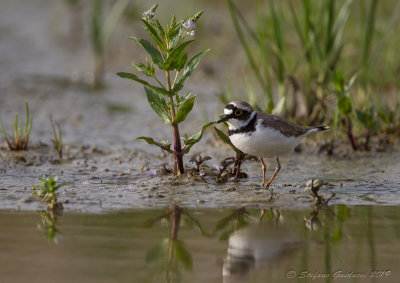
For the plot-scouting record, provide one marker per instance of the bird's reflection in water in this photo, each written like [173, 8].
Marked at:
[257, 246]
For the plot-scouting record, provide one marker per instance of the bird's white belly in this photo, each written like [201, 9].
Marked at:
[266, 142]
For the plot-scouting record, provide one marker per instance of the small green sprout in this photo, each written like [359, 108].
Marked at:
[199, 162]
[46, 191]
[19, 140]
[57, 141]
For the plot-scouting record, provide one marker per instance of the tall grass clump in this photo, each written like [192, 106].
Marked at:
[101, 29]
[296, 49]
[20, 137]
[264, 49]
[170, 57]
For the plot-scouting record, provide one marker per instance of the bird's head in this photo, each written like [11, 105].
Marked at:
[237, 114]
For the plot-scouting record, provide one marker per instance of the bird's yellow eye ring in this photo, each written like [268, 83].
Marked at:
[238, 112]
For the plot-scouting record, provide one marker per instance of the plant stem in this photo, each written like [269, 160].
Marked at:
[178, 162]
[158, 81]
[367, 138]
[176, 218]
[350, 134]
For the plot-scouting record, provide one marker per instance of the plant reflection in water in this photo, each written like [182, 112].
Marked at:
[171, 256]
[48, 223]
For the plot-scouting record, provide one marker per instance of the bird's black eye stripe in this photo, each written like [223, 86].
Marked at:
[244, 115]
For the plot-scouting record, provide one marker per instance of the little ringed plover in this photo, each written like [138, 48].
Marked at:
[263, 135]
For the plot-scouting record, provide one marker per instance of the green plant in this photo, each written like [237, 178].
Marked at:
[267, 37]
[171, 254]
[369, 121]
[344, 106]
[101, 30]
[319, 27]
[57, 141]
[19, 140]
[199, 162]
[169, 55]
[47, 191]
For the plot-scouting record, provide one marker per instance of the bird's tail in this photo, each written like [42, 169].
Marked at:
[322, 128]
[317, 129]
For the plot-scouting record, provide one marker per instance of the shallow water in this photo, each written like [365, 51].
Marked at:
[106, 167]
[191, 245]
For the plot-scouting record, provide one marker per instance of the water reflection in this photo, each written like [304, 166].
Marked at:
[170, 256]
[256, 246]
[173, 245]
[48, 223]
[235, 220]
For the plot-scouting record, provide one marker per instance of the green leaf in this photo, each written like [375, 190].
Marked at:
[159, 28]
[175, 34]
[195, 138]
[224, 222]
[179, 64]
[362, 117]
[184, 110]
[183, 98]
[153, 142]
[154, 34]
[158, 252]
[153, 52]
[352, 80]
[149, 223]
[344, 105]
[342, 213]
[176, 55]
[182, 255]
[191, 65]
[173, 22]
[158, 104]
[147, 70]
[336, 234]
[132, 77]
[226, 140]
[194, 221]
[338, 81]
[136, 78]
[196, 17]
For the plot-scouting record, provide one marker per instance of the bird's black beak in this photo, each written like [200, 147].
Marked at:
[223, 119]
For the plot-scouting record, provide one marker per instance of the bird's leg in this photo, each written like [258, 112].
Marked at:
[264, 169]
[262, 214]
[275, 173]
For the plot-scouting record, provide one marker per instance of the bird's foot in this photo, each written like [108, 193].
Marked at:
[271, 194]
[271, 190]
